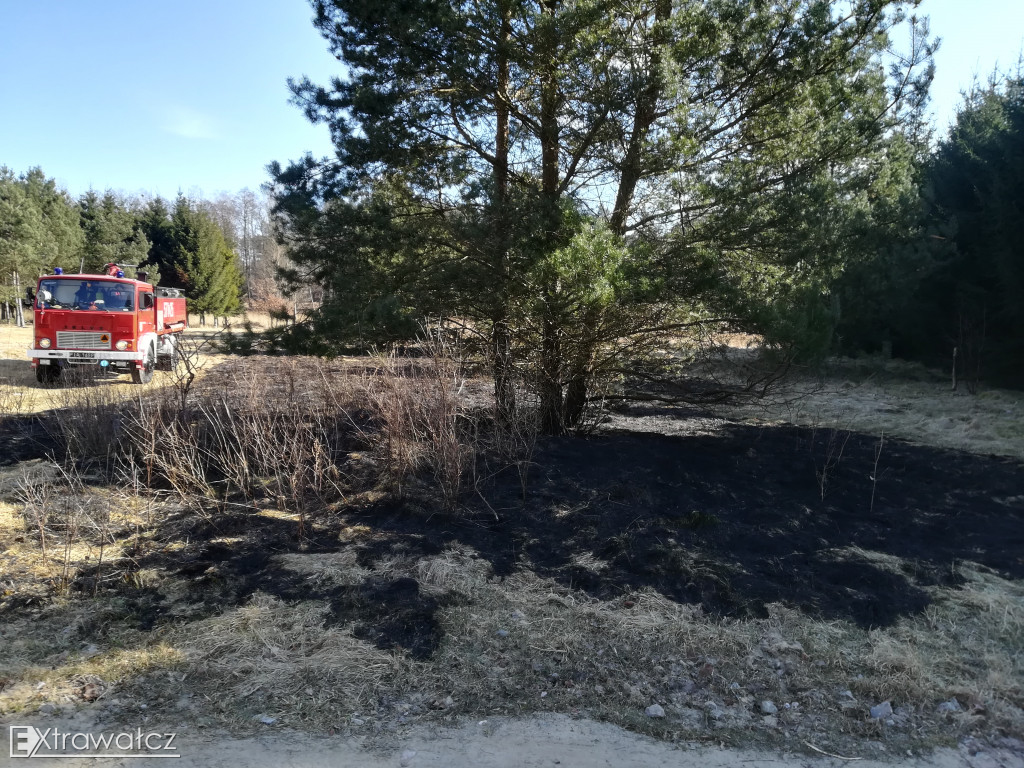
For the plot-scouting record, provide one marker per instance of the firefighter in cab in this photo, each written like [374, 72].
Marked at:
[85, 296]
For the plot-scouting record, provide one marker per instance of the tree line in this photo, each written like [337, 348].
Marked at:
[953, 293]
[218, 252]
[581, 185]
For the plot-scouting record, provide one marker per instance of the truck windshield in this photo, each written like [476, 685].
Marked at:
[91, 295]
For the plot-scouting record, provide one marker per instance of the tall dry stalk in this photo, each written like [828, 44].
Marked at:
[253, 433]
[835, 444]
[37, 502]
[874, 470]
[515, 440]
[421, 421]
[64, 514]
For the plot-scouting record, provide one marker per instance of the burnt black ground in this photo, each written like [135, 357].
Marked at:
[737, 520]
[731, 521]
[25, 438]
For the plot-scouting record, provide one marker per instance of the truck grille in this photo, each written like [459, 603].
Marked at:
[83, 339]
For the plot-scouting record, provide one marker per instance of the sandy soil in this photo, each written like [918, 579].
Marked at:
[546, 740]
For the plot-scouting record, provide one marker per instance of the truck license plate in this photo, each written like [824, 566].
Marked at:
[82, 355]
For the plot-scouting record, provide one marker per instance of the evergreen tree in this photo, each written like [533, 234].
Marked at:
[873, 298]
[63, 239]
[585, 178]
[973, 300]
[155, 221]
[38, 230]
[202, 262]
[112, 233]
[22, 236]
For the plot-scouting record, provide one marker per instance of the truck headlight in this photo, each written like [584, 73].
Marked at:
[44, 343]
[122, 345]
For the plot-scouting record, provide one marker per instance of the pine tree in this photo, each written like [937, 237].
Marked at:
[112, 233]
[973, 300]
[202, 262]
[584, 179]
[22, 239]
[63, 238]
[155, 221]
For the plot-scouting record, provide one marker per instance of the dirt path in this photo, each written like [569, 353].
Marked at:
[546, 740]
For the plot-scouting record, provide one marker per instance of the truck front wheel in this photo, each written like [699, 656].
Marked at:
[144, 375]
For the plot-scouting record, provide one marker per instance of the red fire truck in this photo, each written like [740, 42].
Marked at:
[109, 322]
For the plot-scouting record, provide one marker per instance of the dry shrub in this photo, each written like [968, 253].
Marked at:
[68, 517]
[271, 655]
[515, 438]
[257, 432]
[89, 421]
[284, 429]
[13, 399]
[421, 422]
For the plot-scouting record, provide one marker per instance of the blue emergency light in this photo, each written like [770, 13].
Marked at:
[58, 271]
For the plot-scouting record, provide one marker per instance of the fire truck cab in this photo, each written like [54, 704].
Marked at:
[110, 322]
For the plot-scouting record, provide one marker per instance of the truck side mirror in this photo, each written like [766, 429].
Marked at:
[30, 294]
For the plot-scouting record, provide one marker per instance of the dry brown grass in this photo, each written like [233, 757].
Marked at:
[525, 643]
[515, 644]
[257, 319]
[279, 659]
[900, 400]
[56, 669]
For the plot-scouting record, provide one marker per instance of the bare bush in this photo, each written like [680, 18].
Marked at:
[421, 422]
[37, 500]
[253, 432]
[834, 445]
[282, 433]
[515, 439]
[12, 399]
[64, 514]
[89, 422]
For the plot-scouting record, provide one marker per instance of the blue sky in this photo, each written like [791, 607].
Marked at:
[157, 96]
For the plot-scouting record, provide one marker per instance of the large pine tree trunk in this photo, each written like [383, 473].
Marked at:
[504, 373]
[501, 335]
[550, 385]
[552, 416]
[578, 386]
